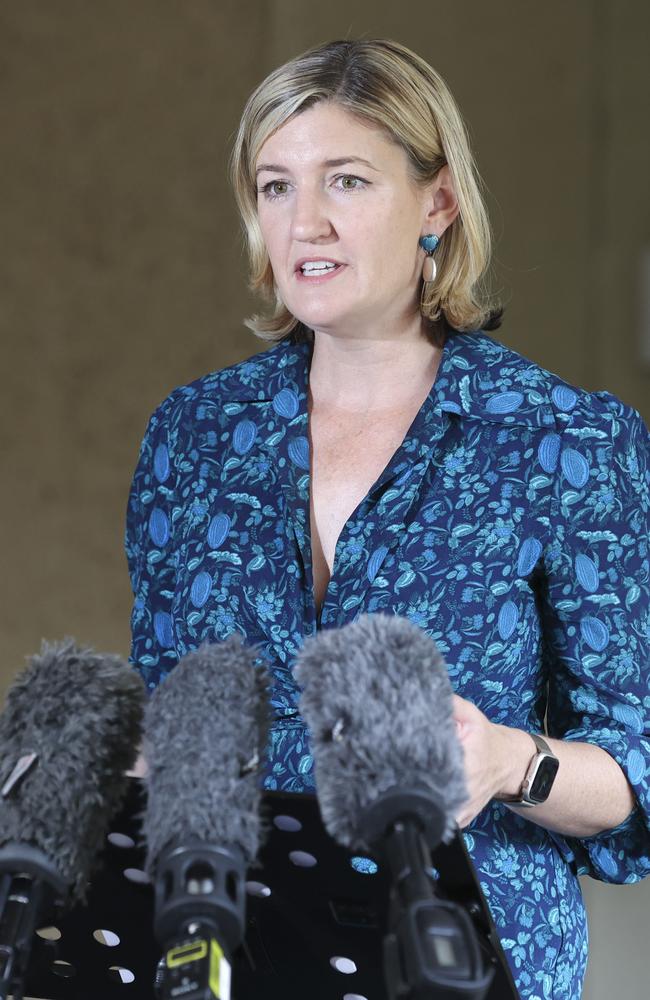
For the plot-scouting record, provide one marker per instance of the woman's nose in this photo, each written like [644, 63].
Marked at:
[310, 218]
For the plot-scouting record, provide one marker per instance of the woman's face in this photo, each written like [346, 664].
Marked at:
[341, 219]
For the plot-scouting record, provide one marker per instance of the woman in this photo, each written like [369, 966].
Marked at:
[386, 454]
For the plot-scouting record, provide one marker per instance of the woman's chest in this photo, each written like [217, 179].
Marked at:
[346, 462]
[451, 544]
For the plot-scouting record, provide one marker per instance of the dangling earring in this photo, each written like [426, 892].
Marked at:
[429, 244]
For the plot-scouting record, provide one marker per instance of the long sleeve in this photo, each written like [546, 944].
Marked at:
[595, 601]
[150, 551]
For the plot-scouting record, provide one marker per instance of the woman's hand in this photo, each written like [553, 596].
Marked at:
[590, 794]
[496, 758]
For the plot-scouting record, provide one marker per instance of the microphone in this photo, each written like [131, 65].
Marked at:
[377, 700]
[206, 727]
[69, 731]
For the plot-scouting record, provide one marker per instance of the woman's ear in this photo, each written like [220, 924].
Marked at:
[441, 203]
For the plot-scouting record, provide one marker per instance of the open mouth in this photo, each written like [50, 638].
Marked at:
[318, 269]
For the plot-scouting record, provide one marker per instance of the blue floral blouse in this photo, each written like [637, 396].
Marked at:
[511, 525]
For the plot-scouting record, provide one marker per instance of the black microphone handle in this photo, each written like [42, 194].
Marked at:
[199, 919]
[431, 948]
[198, 882]
[30, 888]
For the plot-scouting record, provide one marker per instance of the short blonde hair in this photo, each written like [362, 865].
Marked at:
[386, 85]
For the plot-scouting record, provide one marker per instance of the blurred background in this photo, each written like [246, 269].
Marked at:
[122, 271]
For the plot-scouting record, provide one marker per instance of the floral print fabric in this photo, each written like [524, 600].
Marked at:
[511, 525]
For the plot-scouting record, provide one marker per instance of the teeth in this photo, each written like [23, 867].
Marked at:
[320, 265]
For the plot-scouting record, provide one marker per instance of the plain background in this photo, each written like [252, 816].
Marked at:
[122, 273]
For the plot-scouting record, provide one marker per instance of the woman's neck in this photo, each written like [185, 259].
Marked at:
[370, 376]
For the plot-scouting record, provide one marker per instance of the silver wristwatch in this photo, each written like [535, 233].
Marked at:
[539, 777]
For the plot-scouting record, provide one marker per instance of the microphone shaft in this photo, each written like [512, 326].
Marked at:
[409, 861]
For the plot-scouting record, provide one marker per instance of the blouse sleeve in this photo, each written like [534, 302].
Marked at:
[150, 551]
[596, 607]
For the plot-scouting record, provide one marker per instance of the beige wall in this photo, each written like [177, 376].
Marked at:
[121, 273]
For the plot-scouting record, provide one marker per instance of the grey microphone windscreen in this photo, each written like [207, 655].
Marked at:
[206, 727]
[377, 700]
[80, 714]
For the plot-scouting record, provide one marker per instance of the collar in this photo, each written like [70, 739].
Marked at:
[478, 378]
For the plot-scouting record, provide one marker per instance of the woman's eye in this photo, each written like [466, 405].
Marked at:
[274, 189]
[350, 183]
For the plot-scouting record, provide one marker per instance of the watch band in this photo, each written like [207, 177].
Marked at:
[539, 777]
[541, 744]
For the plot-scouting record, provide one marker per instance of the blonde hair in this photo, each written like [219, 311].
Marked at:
[386, 85]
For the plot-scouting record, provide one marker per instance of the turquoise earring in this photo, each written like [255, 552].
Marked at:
[429, 244]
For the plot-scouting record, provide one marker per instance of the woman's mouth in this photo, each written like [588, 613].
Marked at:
[317, 271]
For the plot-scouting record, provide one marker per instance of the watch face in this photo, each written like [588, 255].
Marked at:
[544, 778]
